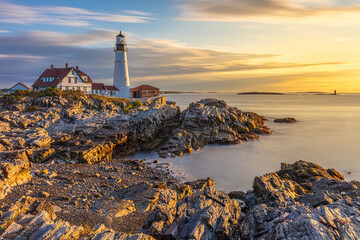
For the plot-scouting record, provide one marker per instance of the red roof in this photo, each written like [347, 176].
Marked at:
[111, 88]
[20, 84]
[145, 87]
[98, 86]
[81, 73]
[59, 74]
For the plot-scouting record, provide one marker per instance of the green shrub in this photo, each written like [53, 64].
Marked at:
[132, 105]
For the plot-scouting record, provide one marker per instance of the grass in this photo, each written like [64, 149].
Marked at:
[71, 95]
[87, 230]
[7, 223]
[132, 105]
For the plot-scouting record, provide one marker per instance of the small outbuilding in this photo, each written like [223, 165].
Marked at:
[101, 89]
[19, 86]
[145, 91]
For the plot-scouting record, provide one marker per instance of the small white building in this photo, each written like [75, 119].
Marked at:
[19, 86]
[68, 78]
[101, 89]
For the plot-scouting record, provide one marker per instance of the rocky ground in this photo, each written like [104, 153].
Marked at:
[60, 179]
[80, 191]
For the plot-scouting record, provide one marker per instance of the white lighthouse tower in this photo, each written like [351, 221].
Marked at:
[121, 73]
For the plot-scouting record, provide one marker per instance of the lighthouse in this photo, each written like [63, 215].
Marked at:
[121, 73]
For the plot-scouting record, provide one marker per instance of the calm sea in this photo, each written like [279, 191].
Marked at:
[327, 133]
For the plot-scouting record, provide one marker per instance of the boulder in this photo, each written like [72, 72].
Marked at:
[212, 121]
[285, 120]
[302, 201]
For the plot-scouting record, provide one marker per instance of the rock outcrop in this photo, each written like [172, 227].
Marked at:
[88, 129]
[302, 201]
[211, 121]
[285, 120]
[13, 172]
[204, 214]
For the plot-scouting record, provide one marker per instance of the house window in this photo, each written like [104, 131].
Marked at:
[75, 80]
[85, 89]
[69, 80]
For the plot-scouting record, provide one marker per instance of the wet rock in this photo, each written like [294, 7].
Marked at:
[285, 120]
[237, 195]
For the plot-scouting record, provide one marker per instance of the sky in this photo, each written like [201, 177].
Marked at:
[188, 45]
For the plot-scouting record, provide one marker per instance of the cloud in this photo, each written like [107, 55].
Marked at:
[165, 63]
[58, 15]
[267, 10]
[4, 31]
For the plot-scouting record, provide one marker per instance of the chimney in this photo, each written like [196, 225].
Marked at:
[77, 67]
[66, 65]
[52, 66]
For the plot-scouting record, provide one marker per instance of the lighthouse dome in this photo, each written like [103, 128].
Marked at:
[120, 35]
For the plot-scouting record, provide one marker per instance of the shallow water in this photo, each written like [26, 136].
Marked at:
[326, 133]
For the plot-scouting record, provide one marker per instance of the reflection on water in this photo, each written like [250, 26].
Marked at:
[326, 133]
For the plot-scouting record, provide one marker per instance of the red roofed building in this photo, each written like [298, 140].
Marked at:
[101, 89]
[68, 78]
[145, 91]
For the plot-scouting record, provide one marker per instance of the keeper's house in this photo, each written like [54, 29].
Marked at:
[68, 78]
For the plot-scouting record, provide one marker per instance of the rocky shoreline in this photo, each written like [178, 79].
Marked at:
[63, 177]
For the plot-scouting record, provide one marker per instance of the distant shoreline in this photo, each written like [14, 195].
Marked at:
[261, 93]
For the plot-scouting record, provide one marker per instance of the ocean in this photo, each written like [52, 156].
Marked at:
[326, 133]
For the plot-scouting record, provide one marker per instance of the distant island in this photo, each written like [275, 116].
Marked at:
[261, 93]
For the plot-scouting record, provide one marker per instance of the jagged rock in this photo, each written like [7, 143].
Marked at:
[4, 126]
[28, 205]
[302, 201]
[146, 195]
[40, 155]
[13, 172]
[207, 214]
[237, 195]
[101, 232]
[212, 121]
[285, 120]
[99, 152]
